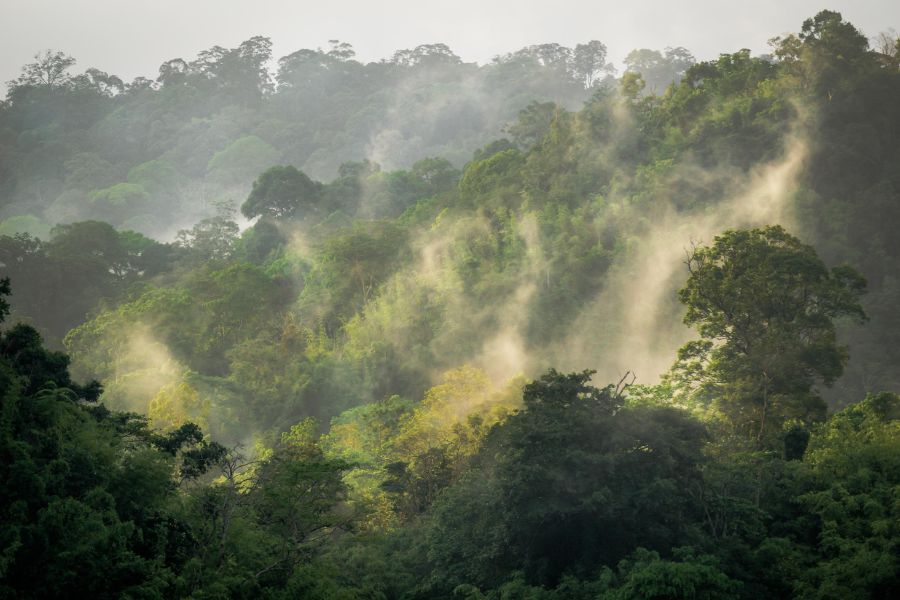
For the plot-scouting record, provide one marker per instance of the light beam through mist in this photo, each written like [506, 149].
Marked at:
[633, 324]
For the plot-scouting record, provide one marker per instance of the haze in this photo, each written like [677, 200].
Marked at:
[131, 38]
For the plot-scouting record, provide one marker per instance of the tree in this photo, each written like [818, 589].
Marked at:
[887, 46]
[827, 56]
[765, 305]
[84, 492]
[99, 81]
[49, 69]
[590, 61]
[240, 74]
[173, 72]
[574, 480]
[283, 192]
[534, 123]
[298, 495]
[89, 245]
[352, 265]
[341, 51]
[553, 56]
[28, 224]
[213, 238]
[88, 171]
[829, 29]
[631, 85]
[659, 69]
[426, 55]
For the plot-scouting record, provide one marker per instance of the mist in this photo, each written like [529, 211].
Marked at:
[547, 302]
[130, 42]
[634, 324]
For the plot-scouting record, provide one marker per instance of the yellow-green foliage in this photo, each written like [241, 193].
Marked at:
[450, 422]
[177, 404]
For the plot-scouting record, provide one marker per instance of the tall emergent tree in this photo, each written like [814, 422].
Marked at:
[49, 69]
[765, 305]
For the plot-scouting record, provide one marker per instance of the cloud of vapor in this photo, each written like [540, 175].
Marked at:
[143, 366]
[416, 108]
[634, 323]
[469, 296]
[504, 354]
[450, 113]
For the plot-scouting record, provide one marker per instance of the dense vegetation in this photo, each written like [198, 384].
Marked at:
[155, 154]
[357, 395]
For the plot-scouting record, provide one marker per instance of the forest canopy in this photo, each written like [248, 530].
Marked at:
[422, 328]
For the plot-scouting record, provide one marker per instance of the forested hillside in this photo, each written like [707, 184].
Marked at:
[159, 153]
[429, 329]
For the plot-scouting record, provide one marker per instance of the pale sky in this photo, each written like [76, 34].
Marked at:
[131, 37]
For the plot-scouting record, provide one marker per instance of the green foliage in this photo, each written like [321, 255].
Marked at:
[114, 202]
[533, 123]
[85, 492]
[390, 305]
[27, 224]
[283, 193]
[575, 481]
[206, 128]
[764, 305]
[242, 160]
[351, 266]
[212, 239]
[89, 259]
[657, 69]
[496, 177]
[647, 577]
[854, 463]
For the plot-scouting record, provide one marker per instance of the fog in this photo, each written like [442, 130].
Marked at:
[474, 285]
[634, 324]
[132, 38]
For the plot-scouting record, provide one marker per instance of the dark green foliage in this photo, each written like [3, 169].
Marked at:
[765, 305]
[283, 193]
[79, 500]
[572, 482]
[854, 461]
[495, 178]
[796, 439]
[90, 498]
[645, 576]
[57, 282]
[348, 301]
[261, 241]
[150, 153]
[197, 454]
[4, 303]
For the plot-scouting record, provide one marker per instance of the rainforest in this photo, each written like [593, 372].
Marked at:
[539, 328]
